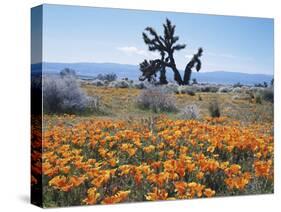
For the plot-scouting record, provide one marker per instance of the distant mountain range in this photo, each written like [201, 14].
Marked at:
[132, 72]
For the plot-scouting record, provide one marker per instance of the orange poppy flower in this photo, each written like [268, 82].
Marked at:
[209, 192]
[92, 196]
[119, 197]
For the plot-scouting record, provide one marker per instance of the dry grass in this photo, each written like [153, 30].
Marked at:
[120, 103]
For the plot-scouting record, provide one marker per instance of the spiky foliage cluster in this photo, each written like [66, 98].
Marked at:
[166, 45]
[149, 69]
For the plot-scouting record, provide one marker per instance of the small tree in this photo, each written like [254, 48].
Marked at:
[166, 45]
[109, 77]
[194, 81]
[67, 72]
[272, 82]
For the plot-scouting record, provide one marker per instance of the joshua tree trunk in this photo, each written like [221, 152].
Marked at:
[177, 76]
[187, 75]
[163, 79]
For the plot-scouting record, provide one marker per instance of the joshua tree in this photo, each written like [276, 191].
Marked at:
[166, 45]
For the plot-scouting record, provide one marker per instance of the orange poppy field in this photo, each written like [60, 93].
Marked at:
[103, 161]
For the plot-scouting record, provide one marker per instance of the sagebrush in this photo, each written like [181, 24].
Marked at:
[190, 112]
[62, 94]
[157, 99]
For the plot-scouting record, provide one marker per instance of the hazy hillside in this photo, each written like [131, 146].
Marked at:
[132, 72]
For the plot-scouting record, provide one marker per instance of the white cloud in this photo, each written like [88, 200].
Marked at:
[132, 50]
[229, 56]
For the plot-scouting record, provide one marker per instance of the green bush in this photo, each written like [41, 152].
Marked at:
[258, 99]
[214, 109]
[268, 94]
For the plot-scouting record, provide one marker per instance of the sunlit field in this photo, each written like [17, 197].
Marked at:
[125, 154]
[121, 103]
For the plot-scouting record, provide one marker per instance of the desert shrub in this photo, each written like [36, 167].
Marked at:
[194, 81]
[62, 94]
[171, 87]
[119, 84]
[267, 94]
[97, 82]
[139, 85]
[224, 89]
[258, 85]
[261, 85]
[258, 98]
[214, 109]
[190, 92]
[238, 90]
[156, 99]
[210, 88]
[190, 112]
[237, 85]
[67, 72]
[108, 77]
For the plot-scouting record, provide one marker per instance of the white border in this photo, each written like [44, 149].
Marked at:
[15, 85]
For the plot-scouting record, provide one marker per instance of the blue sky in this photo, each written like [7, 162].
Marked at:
[86, 34]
